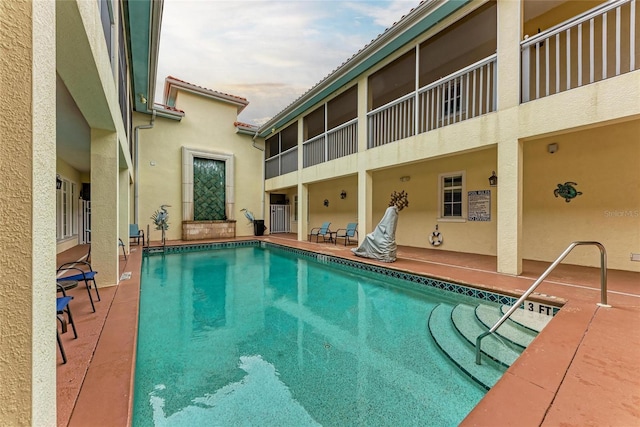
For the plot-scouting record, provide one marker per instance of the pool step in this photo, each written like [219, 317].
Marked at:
[459, 350]
[494, 346]
[527, 319]
[519, 335]
[456, 328]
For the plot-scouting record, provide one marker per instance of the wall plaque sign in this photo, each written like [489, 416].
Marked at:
[479, 205]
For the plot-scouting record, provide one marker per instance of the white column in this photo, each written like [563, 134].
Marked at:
[365, 181]
[509, 207]
[104, 205]
[365, 201]
[303, 190]
[509, 238]
[303, 211]
[124, 186]
[509, 35]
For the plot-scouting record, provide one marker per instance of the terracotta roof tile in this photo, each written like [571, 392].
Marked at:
[245, 125]
[206, 89]
[167, 107]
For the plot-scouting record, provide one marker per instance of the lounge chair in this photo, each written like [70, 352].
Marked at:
[136, 233]
[79, 274]
[62, 307]
[349, 233]
[321, 231]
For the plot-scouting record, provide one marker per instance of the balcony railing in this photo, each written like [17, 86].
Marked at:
[463, 95]
[392, 121]
[315, 151]
[342, 140]
[282, 163]
[338, 142]
[597, 45]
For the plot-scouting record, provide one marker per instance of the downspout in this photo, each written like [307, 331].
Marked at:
[263, 160]
[136, 164]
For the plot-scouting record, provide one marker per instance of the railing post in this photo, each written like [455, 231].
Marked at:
[526, 74]
[516, 305]
[603, 276]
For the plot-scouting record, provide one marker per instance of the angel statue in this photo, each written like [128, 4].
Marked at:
[381, 244]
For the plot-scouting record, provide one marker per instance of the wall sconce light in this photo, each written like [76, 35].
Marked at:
[58, 182]
[326, 203]
[343, 195]
[493, 179]
[552, 148]
[405, 178]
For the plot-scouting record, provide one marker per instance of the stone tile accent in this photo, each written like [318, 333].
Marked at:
[200, 230]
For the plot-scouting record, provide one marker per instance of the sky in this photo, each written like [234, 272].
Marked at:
[269, 52]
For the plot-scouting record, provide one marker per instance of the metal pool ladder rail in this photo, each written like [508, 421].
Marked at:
[603, 290]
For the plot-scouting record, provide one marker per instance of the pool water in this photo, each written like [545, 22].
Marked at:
[259, 337]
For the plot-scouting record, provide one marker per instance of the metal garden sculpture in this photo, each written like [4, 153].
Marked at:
[161, 220]
[248, 214]
[566, 191]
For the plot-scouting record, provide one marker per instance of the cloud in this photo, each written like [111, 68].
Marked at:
[269, 52]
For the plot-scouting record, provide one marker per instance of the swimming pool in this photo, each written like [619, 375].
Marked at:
[257, 335]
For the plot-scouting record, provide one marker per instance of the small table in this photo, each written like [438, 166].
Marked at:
[67, 284]
[332, 236]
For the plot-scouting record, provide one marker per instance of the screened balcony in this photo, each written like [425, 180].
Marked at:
[282, 163]
[281, 152]
[336, 143]
[448, 78]
[598, 44]
[339, 115]
[465, 94]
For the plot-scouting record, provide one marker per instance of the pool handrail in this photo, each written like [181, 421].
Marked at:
[516, 305]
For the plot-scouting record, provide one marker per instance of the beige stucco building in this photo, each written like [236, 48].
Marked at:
[201, 124]
[543, 94]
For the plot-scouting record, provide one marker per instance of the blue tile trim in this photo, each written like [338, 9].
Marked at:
[329, 259]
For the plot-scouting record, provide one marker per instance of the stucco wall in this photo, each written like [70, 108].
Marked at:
[418, 221]
[208, 126]
[604, 163]
[340, 212]
[27, 204]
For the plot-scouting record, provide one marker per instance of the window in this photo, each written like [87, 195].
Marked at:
[67, 210]
[451, 189]
[451, 98]
[106, 18]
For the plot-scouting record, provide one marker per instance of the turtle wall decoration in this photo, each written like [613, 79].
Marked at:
[567, 191]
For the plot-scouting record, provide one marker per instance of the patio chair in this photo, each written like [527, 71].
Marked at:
[62, 307]
[349, 233]
[80, 274]
[121, 245]
[321, 231]
[136, 233]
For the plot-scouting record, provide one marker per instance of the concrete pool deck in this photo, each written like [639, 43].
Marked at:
[581, 370]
